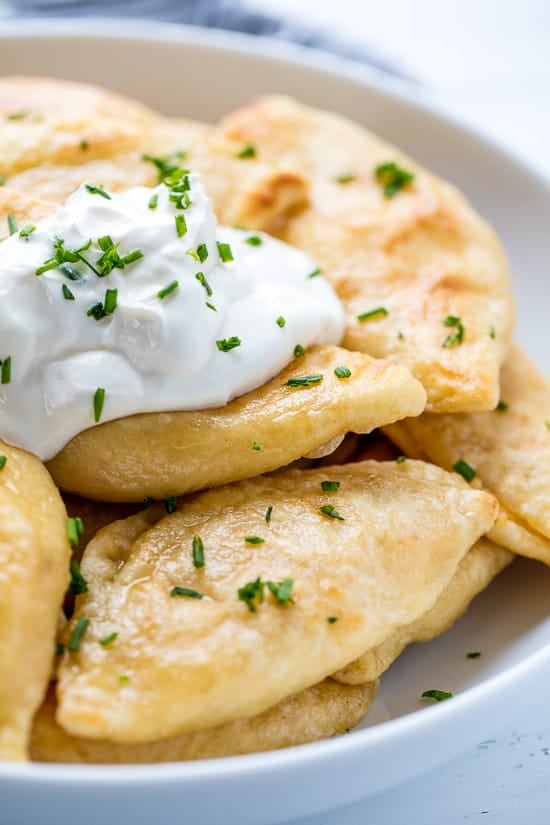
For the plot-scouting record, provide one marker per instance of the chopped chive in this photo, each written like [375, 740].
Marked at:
[315, 273]
[12, 223]
[201, 278]
[462, 468]
[392, 178]
[373, 314]
[254, 240]
[342, 372]
[147, 501]
[437, 695]
[303, 381]
[547, 424]
[252, 594]
[166, 166]
[94, 189]
[347, 177]
[153, 201]
[135, 255]
[124, 679]
[27, 230]
[474, 654]
[193, 254]
[248, 151]
[96, 311]
[84, 145]
[227, 344]
[330, 486]
[78, 582]
[17, 115]
[99, 401]
[2, 181]
[78, 632]
[254, 540]
[456, 337]
[170, 504]
[492, 332]
[211, 306]
[108, 640]
[400, 459]
[111, 296]
[202, 252]
[3, 461]
[75, 529]
[281, 321]
[298, 351]
[281, 591]
[5, 374]
[332, 619]
[330, 511]
[181, 225]
[198, 551]
[225, 252]
[167, 290]
[268, 513]
[186, 591]
[59, 648]
[67, 294]
[256, 447]
[502, 406]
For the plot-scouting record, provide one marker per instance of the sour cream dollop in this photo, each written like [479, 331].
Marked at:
[174, 324]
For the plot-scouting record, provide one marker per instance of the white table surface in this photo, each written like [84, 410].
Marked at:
[489, 62]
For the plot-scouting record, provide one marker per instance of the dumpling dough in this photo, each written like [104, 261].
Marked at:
[34, 573]
[180, 664]
[508, 448]
[318, 712]
[474, 573]
[423, 254]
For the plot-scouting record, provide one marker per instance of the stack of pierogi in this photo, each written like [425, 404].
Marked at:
[284, 557]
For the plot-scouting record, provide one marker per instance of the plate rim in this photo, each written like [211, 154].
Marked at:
[404, 93]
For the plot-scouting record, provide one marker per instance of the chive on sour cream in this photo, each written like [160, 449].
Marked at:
[139, 301]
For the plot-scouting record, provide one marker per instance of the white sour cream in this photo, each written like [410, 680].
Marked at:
[149, 354]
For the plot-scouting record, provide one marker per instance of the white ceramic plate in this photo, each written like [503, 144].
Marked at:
[202, 74]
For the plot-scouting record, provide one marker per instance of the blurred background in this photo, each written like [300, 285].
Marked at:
[486, 60]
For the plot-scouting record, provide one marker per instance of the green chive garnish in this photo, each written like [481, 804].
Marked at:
[108, 640]
[202, 252]
[298, 351]
[392, 178]
[5, 374]
[332, 619]
[211, 306]
[254, 240]
[502, 406]
[281, 591]
[437, 695]
[400, 459]
[67, 294]
[167, 290]
[256, 447]
[373, 314]
[347, 177]
[227, 344]
[3, 461]
[84, 145]
[75, 529]
[27, 230]
[281, 321]
[247, 151]
[186, 591]
[474, 654]
[59, 648]
[135, 255]
[78, 582]
[225, 252]
[99, 401]
[268, 513]
[342, 372]
[170, 504]
[94, 189]
[314, 273]
[330, 486]
[254, 540]
[12, 223]
[166, 166]
[147, 501]
[201, 278]
[78, 632]
[304, 381]
[330, 511]
[462, 468]
[111, 296]
[492, 332]
[198, 551]
[153, 201]
[181, 225]
[252, 594]
[456, 337]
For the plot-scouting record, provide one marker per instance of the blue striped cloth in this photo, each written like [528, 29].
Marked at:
[219, 14]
